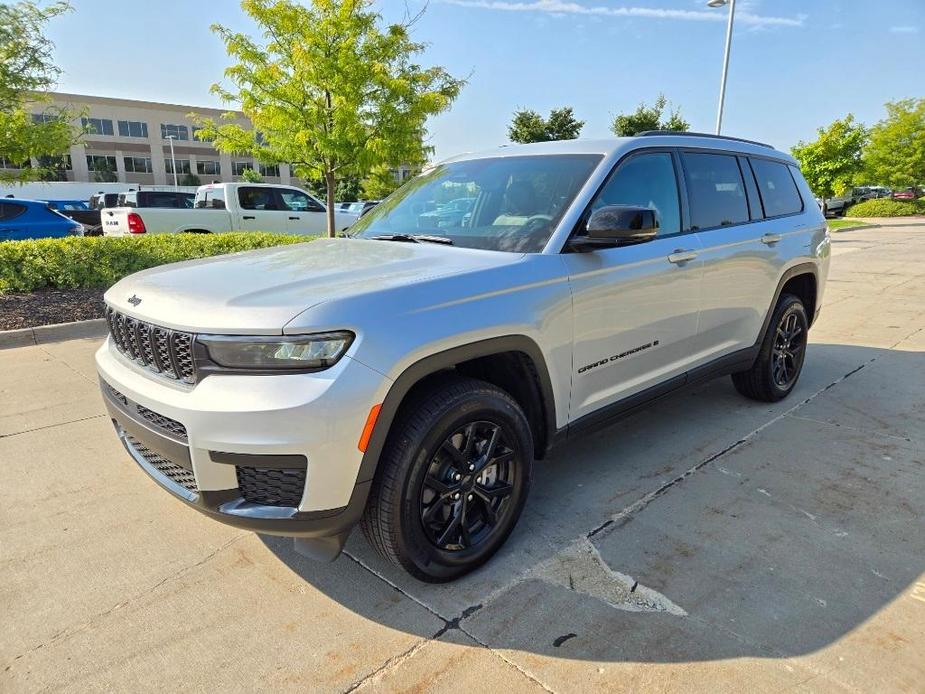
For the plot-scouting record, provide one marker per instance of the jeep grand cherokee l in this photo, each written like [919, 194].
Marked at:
[406, 377]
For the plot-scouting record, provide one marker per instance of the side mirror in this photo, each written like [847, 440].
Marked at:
[616, 225]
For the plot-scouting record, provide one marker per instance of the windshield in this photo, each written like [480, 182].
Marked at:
[501, 204]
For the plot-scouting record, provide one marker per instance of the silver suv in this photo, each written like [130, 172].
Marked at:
[404, 378]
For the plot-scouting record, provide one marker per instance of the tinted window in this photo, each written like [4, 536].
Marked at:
[779, 193]
[501, 203]
[257, 198]
[716, 190]
[10, 210]
[297, 201]
[647, 180]
[210, 198]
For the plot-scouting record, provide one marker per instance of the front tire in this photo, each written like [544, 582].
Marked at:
[780, 359]
[452, 480]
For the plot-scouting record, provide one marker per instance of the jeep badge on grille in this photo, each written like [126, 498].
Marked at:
[134, 300]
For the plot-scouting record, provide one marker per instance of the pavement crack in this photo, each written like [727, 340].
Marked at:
[52, 426]
[69, 632]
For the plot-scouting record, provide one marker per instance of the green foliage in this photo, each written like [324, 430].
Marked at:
[251, 176]
[349, 189]
[380, 183]
[895, 155]
[328, 91]
[832, 162]
[84, 262]
[530, 126]
[190, 179]
[27, 70]
[649, 118]
[884, 207]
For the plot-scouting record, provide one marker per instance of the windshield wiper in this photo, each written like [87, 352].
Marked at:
[414, 238]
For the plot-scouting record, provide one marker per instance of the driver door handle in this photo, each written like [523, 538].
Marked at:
[293, 218]
[681, 256]
[771, 238]
[248, 216]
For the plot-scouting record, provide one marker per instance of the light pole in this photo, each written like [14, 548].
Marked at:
[722, 84]
[173, 160]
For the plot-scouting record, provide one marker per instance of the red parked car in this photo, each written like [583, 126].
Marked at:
[907, 193]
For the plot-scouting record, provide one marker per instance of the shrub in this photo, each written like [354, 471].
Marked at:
[86, 262]
[884, 207]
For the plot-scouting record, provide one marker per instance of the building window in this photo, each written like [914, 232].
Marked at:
[180, 132]
[238, 167]
[61, 162]
[182, 165]
[209, 168]
[101, 162]
[269, 170]
[40, 118]
[138, 165]
[7, 164]
[97, 126]
[133, 128]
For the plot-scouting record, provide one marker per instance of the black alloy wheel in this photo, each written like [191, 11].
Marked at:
[788, 351]
[466, 490]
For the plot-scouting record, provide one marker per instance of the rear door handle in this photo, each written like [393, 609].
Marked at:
[247, 216]
[680, 256]
[294, 218]
[771, 238]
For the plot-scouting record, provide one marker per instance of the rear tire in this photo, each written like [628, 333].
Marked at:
[452, 480]
[780, 360]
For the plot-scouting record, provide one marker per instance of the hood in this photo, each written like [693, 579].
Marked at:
[258, 292]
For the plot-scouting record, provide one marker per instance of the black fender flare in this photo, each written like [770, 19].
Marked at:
[789, 274]
[444, 360]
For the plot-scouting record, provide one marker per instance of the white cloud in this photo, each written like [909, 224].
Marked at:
[904, 30]
[563, 7]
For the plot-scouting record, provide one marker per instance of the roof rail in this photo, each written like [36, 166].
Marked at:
[649, 133]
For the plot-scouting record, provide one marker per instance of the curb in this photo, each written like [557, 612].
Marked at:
[58, 332]
[868, 225]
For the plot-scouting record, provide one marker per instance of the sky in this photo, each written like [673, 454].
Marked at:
[795, 64]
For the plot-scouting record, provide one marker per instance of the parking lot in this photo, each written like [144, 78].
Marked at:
[707, 544]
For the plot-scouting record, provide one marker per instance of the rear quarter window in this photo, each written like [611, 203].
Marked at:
[778, 191]
[10, 210]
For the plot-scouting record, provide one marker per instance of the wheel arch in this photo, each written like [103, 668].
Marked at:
[481, 359]
[801, 280]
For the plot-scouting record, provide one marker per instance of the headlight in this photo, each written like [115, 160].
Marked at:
[294, 353]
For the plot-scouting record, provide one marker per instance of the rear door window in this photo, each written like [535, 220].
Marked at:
[779, 193]
[715, 189]
[257, 198]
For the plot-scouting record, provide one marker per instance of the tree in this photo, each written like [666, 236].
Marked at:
[832, 162]
[649, 118]
[190, 179]
[328, 90]
[380, 183]
[895, 155]
[26, 73]
[104, 172]
[250, 175]
[530, 126]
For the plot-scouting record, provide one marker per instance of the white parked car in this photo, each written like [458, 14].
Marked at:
[223, 207]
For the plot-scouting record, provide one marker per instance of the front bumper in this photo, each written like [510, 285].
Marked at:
[195, 442]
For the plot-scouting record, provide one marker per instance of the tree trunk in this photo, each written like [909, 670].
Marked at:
[329, 184]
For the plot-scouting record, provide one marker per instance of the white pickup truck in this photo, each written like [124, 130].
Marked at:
[223, 207]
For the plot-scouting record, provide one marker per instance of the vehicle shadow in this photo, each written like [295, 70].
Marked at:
[710, 526]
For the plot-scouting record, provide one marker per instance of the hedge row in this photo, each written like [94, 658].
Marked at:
[83, 263]
[884, 207]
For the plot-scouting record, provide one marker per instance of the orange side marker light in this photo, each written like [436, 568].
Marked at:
[368, 428]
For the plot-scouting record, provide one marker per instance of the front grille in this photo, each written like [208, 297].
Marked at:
[162, 422]
[169, 469]
[163, 351]
[270, 487]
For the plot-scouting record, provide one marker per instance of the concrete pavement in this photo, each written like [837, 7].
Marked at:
[707, 544]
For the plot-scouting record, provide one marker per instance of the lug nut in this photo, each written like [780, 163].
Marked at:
[457, 477]
[471, 468]
[456, 495]
[469, 498]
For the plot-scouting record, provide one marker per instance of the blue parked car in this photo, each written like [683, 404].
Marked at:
[31, 219]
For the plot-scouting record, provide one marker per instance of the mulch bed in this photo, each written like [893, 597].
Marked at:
[48, 306]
